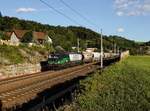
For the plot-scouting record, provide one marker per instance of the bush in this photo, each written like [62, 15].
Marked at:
[27, 38]
[11, 53]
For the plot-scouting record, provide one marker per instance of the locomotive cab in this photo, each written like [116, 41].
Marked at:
[64, 60]
[57, 59]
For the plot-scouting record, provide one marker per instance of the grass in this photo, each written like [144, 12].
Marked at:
[21, 54]
[11, 54]
[124, 86]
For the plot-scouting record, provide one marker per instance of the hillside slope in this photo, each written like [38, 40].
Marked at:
[22, 54]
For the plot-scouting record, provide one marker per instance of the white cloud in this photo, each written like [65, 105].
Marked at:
[120, 13]
[134, 13]
[120, 29]
[25, 10]
[146, 7]
[132, 7]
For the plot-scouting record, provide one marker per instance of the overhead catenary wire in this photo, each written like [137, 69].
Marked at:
[45, 19]
[66, 16]
[79, 14]
[59, 12]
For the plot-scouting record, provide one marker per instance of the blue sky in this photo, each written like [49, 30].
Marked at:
[128, 18]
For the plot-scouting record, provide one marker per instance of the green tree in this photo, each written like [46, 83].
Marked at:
[67, 36]
[49, 47]
[3, 36]
[27, 38]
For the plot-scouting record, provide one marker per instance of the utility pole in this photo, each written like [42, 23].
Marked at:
[115, 49]
[0, 14]
[101, 49]
[78, 43]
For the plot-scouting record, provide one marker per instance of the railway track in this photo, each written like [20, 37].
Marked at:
[13, 83]
[19, 90]
[15, 91]
[16, 78]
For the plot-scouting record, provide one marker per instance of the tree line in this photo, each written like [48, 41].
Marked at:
[66, 37]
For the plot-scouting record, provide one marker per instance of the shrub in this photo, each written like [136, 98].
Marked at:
[27, 38]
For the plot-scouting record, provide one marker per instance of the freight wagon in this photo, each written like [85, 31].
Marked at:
[63, 60]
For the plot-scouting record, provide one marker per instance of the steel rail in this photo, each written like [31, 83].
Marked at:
[36, 88]
[8, 86]
[17, 78]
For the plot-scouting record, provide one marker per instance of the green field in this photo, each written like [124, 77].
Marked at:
[124, 86]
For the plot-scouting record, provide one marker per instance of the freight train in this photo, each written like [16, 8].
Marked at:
[57, 61]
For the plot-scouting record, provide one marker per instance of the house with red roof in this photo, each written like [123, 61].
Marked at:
[41, 37]
[15, 37]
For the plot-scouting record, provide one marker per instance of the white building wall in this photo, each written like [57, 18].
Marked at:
[14, 39]
[49, 40]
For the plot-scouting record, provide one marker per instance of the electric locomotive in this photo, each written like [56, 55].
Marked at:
[63, 60]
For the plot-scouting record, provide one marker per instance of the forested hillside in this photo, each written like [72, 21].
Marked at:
[66, 37]
[147, 43]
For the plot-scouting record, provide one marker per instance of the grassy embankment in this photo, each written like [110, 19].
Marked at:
[124, 86]
[21, 54]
